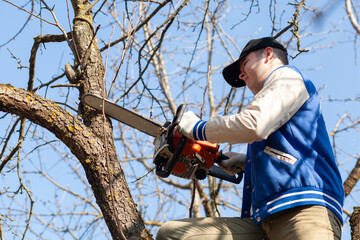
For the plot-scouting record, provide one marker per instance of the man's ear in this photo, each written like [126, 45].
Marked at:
[269, 54]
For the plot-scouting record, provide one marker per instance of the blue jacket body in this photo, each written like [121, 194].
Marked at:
[294, 166]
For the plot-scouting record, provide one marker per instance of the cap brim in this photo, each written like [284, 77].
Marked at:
[231, 74]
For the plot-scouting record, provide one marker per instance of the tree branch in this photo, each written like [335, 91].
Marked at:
[353, 178]
[88, 147]
[351, 15]
[161, 5]
[37, 41]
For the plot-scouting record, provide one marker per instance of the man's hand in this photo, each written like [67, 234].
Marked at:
[235, 163]
[191, 126]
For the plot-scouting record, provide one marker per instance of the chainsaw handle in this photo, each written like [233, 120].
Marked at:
[221, 157]
[177, 118]
[179, 148]
[179, 114]
[170, 166]
[218, 172]
[171, 133]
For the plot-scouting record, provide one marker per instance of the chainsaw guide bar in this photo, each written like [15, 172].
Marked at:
[124, 115]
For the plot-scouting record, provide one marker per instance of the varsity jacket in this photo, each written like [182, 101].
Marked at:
[290, 161]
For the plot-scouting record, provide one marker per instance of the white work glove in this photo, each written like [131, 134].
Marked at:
[188, 122]
[235, 163]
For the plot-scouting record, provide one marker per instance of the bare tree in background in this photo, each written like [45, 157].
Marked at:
[145, 55]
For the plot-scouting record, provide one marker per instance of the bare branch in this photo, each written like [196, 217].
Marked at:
[353, 178]
[29, 12]
[37, 41]
[351, 15]
[161, 5]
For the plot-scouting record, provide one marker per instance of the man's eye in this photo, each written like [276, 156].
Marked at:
[243, 65]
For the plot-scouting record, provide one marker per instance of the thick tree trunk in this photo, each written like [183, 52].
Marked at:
[118, 207]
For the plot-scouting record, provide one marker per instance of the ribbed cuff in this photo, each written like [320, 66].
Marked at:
[199, 130]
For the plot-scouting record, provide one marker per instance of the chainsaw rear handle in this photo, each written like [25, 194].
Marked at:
[177, 151]
[221, 157]
[218, 172]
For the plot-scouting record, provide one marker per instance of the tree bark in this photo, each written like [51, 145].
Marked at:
[352, 179]
[355, 224]
[117, 205]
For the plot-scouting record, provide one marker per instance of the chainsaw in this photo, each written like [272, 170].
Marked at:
[174, 154]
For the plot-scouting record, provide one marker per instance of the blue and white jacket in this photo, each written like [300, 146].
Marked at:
[290, 161]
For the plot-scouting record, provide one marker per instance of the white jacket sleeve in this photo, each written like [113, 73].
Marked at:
[283, 94]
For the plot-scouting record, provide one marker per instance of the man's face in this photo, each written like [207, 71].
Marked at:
[252, 71]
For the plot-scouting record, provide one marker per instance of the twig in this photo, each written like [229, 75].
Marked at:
[145, 175]
[169, 21]
[37, 41]
[283, 30]
[138, 28]
[346, 212]
[56, 21]
[249, 12]
[22, 186]
[296, 27]
[22, 28]
[12, 130]
[67, 190]
[101, 6]
[73, 46]
[20, 66]
[91, 7]
[197, 40]
[29, 12]
[1, 228]
[50, 82]
[130, 35]
[272, 18]
[351, 15]
[76, 85]
[208, 87]
[8, 157]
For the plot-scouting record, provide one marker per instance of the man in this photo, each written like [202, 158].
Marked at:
[292, 186]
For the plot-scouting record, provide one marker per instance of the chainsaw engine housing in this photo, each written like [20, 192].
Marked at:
[195, 160]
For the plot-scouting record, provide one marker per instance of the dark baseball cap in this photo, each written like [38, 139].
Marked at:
[232, 72]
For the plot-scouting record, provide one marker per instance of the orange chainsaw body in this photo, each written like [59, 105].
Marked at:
[207, 151]
[194, 161]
